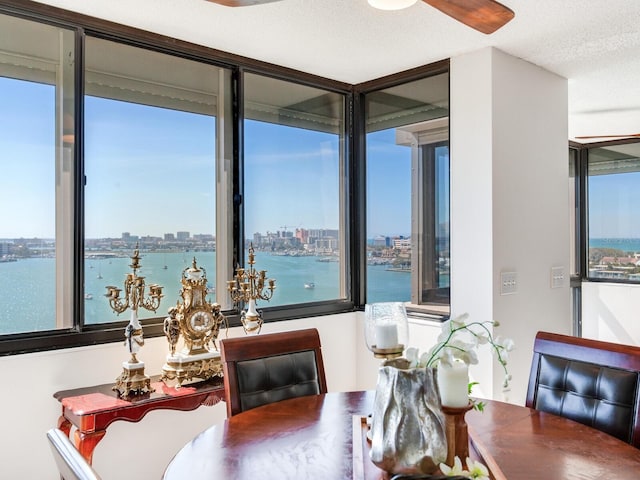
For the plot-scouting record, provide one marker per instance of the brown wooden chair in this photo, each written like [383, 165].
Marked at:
[71, 464]
[268, 368]
[592, 382]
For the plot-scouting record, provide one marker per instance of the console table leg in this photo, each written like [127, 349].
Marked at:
[86, 443]
[64, 425]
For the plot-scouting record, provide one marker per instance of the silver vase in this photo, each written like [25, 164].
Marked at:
[408, 427]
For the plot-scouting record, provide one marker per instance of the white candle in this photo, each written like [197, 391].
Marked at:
[386, 335]
[453, 382]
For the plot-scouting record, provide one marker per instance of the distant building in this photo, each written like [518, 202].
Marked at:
[402, 243]
[169, 237]
[380, 241]
[204, 237]
[620, 261]
[302, 235]
[183, 236]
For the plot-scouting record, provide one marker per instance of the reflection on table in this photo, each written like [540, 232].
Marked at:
[313, 437]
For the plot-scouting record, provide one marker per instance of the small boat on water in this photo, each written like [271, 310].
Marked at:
[310, 285]
[88, 296]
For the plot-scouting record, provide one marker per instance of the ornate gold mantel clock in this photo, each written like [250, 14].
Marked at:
[198, 322]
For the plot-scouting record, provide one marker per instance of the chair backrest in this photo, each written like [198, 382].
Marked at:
[592, 382]
[268, 368]
[71, 464]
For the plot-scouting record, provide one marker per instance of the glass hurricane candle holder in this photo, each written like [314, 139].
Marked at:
[386, 329]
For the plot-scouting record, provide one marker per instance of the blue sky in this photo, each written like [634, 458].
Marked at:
[619, 193]
[150, 171]
[26, 159]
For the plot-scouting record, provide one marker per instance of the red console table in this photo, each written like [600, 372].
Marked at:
[92, 409]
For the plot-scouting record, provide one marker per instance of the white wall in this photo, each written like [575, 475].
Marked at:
[509, 202]
[610, 312]
[30, 409]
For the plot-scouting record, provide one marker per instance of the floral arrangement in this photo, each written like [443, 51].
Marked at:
[459, 341]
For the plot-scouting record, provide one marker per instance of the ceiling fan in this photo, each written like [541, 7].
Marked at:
[486, 16]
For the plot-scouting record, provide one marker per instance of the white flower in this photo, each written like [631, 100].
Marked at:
[455, 469]
[459, 341]
[477, 470]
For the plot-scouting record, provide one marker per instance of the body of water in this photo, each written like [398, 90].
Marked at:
[625, 244]
[28, 285]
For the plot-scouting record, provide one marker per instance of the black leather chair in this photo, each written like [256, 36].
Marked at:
[268, 368]
[592, 382]
[71, 465]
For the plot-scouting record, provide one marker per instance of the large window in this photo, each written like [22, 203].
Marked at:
[152, 144]
[613, 213]
[407, 165]
[294, 189]
[36, 165]
[114, 140]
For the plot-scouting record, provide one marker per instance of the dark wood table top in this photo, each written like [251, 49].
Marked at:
[313, 438]
[524, 444]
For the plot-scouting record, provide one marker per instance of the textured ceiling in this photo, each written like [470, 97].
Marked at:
[595, 44]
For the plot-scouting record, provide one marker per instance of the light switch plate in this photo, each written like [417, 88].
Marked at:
[557, 277]
[508, 283]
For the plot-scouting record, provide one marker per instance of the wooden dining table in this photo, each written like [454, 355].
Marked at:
[321, 437]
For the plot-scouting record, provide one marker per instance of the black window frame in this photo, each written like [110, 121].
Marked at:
[361, 90]
[84, 335]
[580, 274]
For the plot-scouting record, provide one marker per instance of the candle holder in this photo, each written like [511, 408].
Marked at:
[386, 329]
[457, 432]
[133, 380]
[248, 286]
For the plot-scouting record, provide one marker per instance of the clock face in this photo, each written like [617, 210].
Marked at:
[200, 322]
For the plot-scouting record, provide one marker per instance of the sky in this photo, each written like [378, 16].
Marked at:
[151, 171]
[619, 193]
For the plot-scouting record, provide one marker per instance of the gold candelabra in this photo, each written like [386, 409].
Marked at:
[248, 285]
[132, 379]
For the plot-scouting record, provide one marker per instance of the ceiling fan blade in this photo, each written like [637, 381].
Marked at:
[241, 3]
[486, 16]
[631, 135]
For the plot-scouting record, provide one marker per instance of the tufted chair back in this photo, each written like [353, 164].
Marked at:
[592, 382]
[268, 368]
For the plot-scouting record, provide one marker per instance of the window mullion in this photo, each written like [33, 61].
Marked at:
[65, 179]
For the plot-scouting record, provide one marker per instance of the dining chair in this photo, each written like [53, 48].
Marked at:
[71, 464]
[268, 368]
[590, 381]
